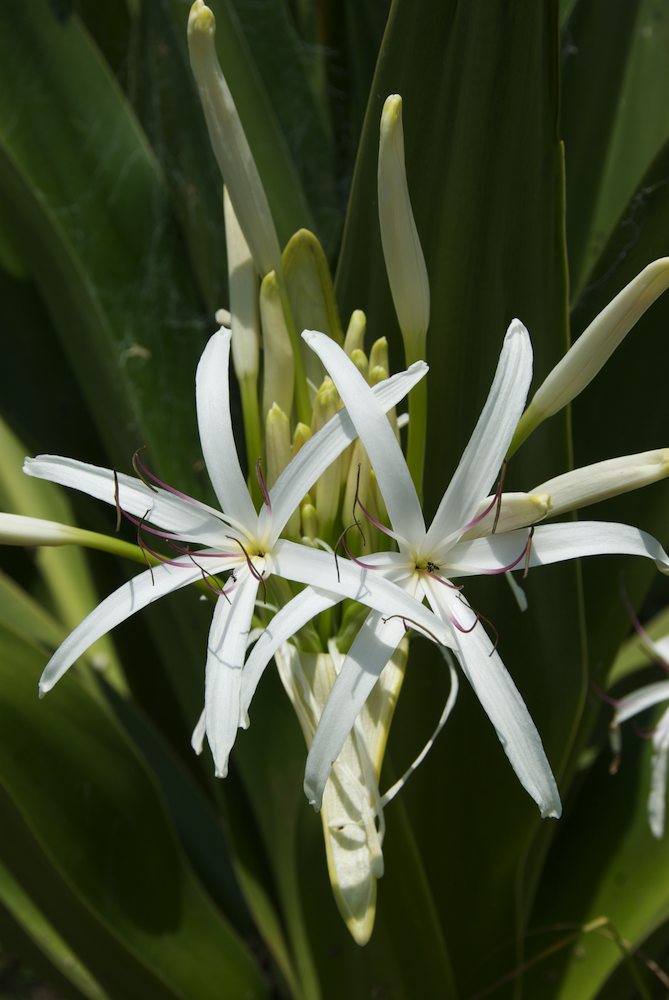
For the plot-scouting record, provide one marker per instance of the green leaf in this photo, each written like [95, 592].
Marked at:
[614, 117]
[93, 225]
[605, 864]
[86, 835]
[48, 944]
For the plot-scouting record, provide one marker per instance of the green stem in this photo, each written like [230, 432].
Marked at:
[248, 388]
[417, 430]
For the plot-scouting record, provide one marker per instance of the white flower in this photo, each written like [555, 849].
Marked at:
[429, 559]
[635, 703]
[235, 540]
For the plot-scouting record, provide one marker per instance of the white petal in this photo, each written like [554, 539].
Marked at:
[658, 778]
[372, 648]
[553, 543]
[190, 519]
[199, 733]
[321, 450]
[501, 700]
[285, 623]
[226, 648]
[212, 394]
[638, 701]
[375, 432]
[306, 565]
[124, 602]
[483, 456]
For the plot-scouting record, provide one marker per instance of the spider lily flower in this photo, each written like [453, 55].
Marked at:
[429, 559]
[593, 348]
[235, 540]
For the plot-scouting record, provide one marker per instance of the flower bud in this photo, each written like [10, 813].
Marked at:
[355, 333]
[230, 144]
[405, 263]
[278, 360]
[593, 348]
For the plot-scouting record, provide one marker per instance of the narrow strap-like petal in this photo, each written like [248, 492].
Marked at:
[285, 623]
[191, 520]
[553, 543]
[638, 701]
[501, 700]
[367, 586]
[226, 649]
[199, 733]
[124, 602]
[375, 432]
[483, 456]
[372, 648]
[324, 447]
[658, 778]
[212, 393]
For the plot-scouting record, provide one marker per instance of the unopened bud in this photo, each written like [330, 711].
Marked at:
[229, 143]
[359, 359]
[355, 333]
[278, 360]
[405, 263]
[301, 435]
[593, 348]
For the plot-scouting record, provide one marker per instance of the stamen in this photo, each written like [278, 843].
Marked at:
[498, 495]
[342, 541]
[119, 512]
[440, 579]
[497, 499]
[419, 628]
[138, 465]
[142, 549]
[263, 486]
[356, 501]
[512, 565]
[219, 591]
[640, 630]
[528, 553]
[252, 570]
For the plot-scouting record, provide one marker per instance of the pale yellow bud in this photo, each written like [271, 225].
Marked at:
[405, 263]
[309, 521]
[328, 487]
[277, 443]
[229, 142]
[359, 359]
[378, 356]
[278, 361]
[355, 333]
[378, 374]
[301, 435]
